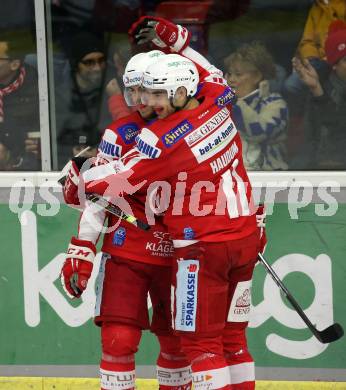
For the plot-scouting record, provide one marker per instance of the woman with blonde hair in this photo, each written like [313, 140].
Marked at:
[260, 115]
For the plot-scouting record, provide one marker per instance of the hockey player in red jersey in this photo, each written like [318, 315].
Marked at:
[134, 263]
[162, 32]
[193, 153]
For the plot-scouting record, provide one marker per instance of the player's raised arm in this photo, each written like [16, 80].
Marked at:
[173, 38]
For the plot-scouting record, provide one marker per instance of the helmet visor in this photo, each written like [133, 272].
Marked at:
[132, 95]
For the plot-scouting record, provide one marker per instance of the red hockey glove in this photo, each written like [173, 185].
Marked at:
[77, 268]
[70, 181]
[261, 225]
[161, 33]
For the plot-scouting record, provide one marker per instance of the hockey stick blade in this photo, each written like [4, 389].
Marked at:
[332, 333]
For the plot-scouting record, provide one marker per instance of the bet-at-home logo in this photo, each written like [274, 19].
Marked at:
[42, 282]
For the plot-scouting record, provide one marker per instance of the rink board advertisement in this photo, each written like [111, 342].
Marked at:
[41, 326]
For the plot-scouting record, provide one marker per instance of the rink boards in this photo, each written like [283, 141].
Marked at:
[43, 334]
[143, 384]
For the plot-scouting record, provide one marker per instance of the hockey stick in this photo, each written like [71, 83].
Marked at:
[328, 335]
[115, 210]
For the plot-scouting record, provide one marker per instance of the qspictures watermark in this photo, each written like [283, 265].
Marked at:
[159, 196]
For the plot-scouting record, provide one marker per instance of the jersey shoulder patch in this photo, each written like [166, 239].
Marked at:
[226, 97]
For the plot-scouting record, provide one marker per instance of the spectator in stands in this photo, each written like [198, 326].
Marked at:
[325, 142]
[81, 100]
[19, 104]
[311, 45]
[260, 115]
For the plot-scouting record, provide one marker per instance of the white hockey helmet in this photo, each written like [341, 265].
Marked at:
[169, 73]
[134, 70]
[137, 65]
